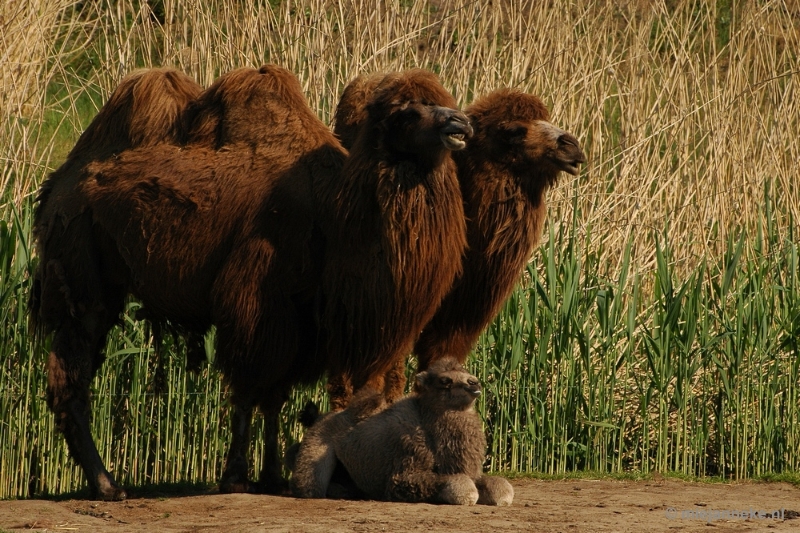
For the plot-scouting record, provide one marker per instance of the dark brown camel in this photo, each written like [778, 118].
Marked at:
[258, 237]
[401, 239]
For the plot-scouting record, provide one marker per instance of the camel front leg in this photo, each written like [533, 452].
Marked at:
[271, 480]
[235, 476]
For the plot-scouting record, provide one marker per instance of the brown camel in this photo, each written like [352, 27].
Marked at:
[508, 166]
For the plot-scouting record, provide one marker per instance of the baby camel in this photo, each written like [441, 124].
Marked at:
[426, 447]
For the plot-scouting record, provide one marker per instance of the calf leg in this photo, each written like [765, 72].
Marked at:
[427, 486]
[494, 491]
[315, 462]
[458, 489]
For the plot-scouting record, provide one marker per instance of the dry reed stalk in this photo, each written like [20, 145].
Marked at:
[31, 33]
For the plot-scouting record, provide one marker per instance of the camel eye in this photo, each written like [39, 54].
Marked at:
[513, 133]
[410, 114]
[445, 381]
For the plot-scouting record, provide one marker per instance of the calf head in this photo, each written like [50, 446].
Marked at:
[447, 386]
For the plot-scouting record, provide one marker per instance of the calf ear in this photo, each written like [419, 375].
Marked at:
[421, 382]
[513, 132]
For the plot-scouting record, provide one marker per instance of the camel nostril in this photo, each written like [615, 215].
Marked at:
[453, 121]
[461, 120]
[455, 125]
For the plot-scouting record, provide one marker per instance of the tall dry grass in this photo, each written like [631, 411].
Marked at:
[685, 111]
[31, 54]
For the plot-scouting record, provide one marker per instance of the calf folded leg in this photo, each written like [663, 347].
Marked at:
[494, 491]
[427, 486]
[313, 466]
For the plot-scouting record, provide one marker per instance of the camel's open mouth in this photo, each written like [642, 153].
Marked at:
[453, 141]
[569, 155]
[571, 167]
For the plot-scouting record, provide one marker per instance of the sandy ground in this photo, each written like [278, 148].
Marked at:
[544, 506]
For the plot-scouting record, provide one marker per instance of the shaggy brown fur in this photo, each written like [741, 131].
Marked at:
[144, 110]
[427, 447]
[400, 229]
[351, 111]
[504, 173]
[259, 111]
[229, 237]
[515, 156]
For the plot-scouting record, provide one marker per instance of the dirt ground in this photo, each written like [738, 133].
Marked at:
[543, 506]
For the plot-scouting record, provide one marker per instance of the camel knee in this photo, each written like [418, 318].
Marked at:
[67, 380]
[340, 390]
[395, 381]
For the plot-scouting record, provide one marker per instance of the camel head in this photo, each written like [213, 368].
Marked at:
[413, 117]
[546, 145]
[513, 129]
[447, 386]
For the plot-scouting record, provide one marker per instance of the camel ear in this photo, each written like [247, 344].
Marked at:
[512, 132]
[421, 381]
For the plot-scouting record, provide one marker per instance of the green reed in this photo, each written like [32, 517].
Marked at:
[696, 375]
[641, 372]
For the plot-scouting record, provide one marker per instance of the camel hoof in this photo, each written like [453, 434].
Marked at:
[237, 487]
[106, 489]
[274, 485]
[110, 494]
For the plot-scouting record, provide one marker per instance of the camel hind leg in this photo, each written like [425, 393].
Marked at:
[79, 306]
[270, 479]
[71, 365]
[235, 478]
